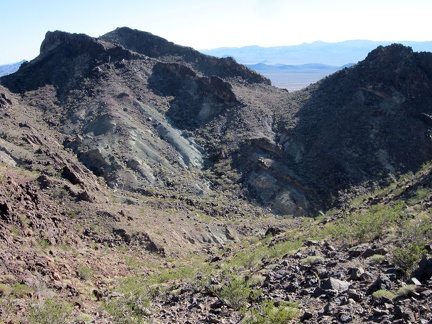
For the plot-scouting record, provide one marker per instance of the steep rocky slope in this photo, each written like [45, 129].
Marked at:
[64, 233]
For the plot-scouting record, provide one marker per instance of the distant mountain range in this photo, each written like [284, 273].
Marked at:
[336, 54]
[295, 67]
[9, 68]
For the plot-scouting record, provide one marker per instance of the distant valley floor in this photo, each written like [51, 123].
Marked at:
[294, 77]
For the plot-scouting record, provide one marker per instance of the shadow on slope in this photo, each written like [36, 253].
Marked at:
[367, 123]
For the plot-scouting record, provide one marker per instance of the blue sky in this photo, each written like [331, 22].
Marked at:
[204, 24]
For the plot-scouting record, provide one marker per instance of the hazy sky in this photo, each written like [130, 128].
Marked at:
[206, 24]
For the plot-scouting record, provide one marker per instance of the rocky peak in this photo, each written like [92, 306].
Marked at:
[392, 53]
[397, 66]
[157, 47]
[64, 59]
[367, 121]
[75, 43]
[144, 42]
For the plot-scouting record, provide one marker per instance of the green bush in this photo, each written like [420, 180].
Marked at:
[407, 257]
[133, 307]
[313, 259]
[235, 293]
[85, 273]
[20, 290]
[129, 310]
[376, 258]
[406, 290]
[365, 227]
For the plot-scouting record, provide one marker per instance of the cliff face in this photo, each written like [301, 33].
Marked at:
[148, 115]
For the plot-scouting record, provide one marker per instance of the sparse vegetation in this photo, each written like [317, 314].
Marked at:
[376, 259]
[269, 313]
[406, 290]
[313, 259]
[407, 257]
[50, 311]
[85, 272]
[364, 227]
[235, 292]
[132, 306]
[5, 290]
[383, 294]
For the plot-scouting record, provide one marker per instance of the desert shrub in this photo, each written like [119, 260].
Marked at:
[84, 318]
[407, 257]
[382, 293]
[269, 313]
[43, 243]
[235, 293]
[247, 260]
[405, 290]
[376, 258]
[20, 290]
[422, 193]
[313, 259]
[365, 227]
[128, 310]
[50, 311]
[412, 237]
[134, 307]
[85, 273]
[285, 247]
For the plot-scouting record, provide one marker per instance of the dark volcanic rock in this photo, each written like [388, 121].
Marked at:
[364, 121]
[157, 47]
[145, 113]
[424, 270]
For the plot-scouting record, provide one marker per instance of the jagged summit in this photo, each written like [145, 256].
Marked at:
[65, 57]
[156, 47]
[145, 43]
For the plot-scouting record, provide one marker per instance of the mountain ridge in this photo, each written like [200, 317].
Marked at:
[138, 188]
[205, 113]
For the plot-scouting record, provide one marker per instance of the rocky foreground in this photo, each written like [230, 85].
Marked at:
[328, 285]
